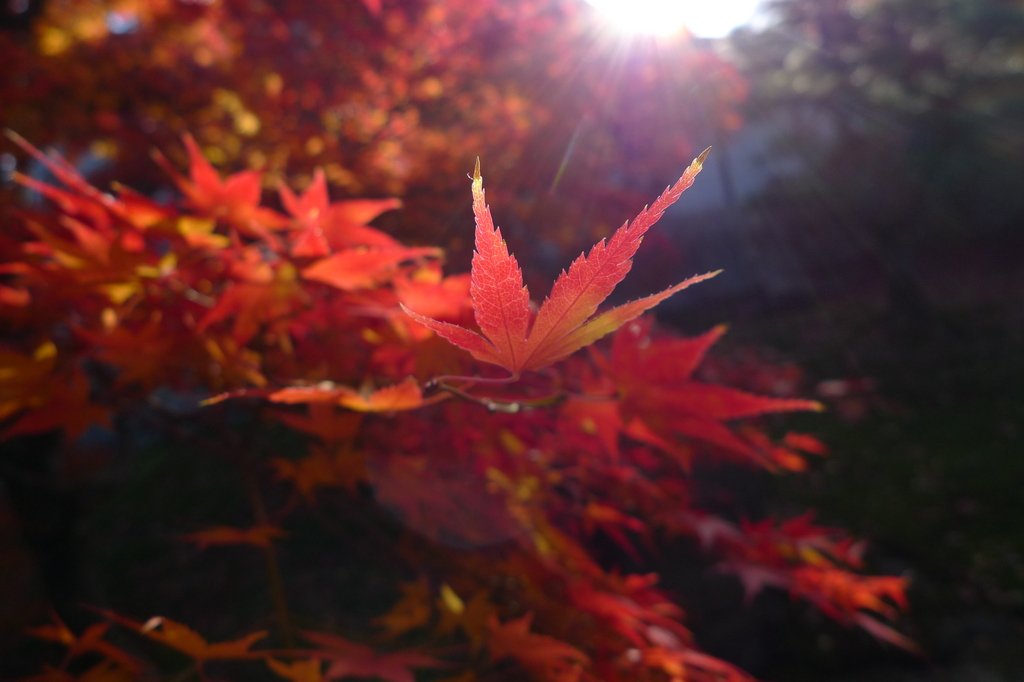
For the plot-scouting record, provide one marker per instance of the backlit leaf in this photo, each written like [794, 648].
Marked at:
[509, 336]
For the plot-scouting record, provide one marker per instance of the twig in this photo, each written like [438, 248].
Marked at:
[437, 381]
[259, 511]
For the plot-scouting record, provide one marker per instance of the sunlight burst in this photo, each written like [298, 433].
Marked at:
[703, 18]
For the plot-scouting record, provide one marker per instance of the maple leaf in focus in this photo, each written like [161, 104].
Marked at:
[236, 200]
[510, 336]
[257, 536]
[349, 659]
[549, 659]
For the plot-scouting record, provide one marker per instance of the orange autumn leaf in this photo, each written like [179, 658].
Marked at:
[303, 670]
[429, 294]
[510, 336]
[404, 396]
[805, 443]
[547, 658]
[849, 592]
[257, 536]
[91, 641]
[363, 267]
[23, 377]
[347, 216]
[64, 404]
[319, 469]
[177, 636]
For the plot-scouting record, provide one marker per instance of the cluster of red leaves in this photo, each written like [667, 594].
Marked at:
[504, 480]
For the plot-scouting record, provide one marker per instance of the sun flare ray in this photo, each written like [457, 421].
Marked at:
[666, 17]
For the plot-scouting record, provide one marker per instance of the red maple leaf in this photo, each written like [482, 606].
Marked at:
[235, 199]
[428, 293]
[255, 304]
[364, 267]
[349, 659]
[660, 400]
[547, 658]
[511, 337]
[84, 200]
[324, 226]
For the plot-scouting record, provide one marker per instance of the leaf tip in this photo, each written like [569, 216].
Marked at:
[478, 182]
[699, 161]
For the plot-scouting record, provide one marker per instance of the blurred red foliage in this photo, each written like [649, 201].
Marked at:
[258, 285]
[224, 295]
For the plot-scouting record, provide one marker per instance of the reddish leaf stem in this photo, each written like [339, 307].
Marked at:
[436, 381]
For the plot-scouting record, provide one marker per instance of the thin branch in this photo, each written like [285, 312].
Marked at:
[436, 381]
[259, 511]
